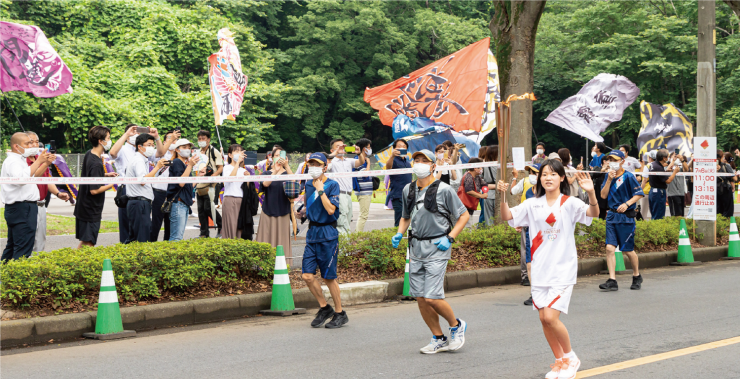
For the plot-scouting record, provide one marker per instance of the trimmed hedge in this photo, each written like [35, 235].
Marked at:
[142, 270]
[499, 245]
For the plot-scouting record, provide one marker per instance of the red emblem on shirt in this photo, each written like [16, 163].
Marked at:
[562, 200]
[536, 242]
[551, 220]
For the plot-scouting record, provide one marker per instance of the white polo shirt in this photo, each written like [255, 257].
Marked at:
[138, 168]
[343, 165]
[15, 166]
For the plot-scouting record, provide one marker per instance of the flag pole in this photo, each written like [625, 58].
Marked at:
[219, 141]
[13, 110]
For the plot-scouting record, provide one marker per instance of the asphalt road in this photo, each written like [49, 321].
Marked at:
[679, 307]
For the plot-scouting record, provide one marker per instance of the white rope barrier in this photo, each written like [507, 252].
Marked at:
[294, 177]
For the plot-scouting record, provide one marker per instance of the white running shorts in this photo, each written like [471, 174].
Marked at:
[555, 297]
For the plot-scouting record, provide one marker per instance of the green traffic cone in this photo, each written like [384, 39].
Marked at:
[282, 294]
[685, 256]
[108, 323]
[406, 283]
[620, 260]
[733, 249]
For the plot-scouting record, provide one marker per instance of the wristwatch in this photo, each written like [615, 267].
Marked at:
[452, 240]
[321, 193]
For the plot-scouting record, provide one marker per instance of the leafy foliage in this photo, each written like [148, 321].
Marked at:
[309, 63]
[143, 62]
[142, 270]
[654, 44]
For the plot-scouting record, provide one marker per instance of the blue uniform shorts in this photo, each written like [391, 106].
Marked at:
[621, 236]
[324, 254]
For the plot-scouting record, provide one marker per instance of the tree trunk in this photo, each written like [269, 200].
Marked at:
[514, 27]
[735, 5]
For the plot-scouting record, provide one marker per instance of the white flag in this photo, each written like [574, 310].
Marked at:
[599, 103]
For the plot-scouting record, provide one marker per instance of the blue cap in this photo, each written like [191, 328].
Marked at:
[318, 157]
[616, 153]
[534, 166]
[432, 158]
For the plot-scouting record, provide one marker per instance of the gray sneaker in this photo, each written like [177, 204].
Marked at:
[457, 335]
[436, 346]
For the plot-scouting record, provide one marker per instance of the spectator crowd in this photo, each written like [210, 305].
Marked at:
[145, 209]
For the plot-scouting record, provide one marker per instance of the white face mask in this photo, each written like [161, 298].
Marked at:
[533, 179]
[108, 145]
[422, 170]
[202, 144]
[614, 165]
[149, 152]
[440, 156]
[132, 139]
[677, 161]
[172, 147]
[368, 151]
[30, 151]
[340, 154]
[540, 151]
[185, 153]
[593, 154]
[315, 172]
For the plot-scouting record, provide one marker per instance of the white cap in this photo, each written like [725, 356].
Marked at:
[182, 141]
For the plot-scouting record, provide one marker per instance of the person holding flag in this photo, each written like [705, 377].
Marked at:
[622, 192]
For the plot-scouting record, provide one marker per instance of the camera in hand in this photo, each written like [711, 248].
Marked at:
[142, 130]
[52, 147]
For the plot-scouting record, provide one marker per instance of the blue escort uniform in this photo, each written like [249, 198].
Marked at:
[322, 239]
[620, 229]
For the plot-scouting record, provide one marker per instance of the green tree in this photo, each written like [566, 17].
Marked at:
[143, 62]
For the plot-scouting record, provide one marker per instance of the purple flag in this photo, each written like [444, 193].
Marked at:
[599, 103]
[28, 62]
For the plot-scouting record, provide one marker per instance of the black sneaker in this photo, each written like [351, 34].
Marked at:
[338, 320]
[636, 282]
[525, 282]
[528, 301]
[610, 285]
[322, 315]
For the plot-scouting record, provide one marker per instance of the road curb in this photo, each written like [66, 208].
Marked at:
[69, 326]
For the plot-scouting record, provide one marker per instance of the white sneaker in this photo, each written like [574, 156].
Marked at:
[554, 370]
[435, 346]
[569, 368]
[457, 335]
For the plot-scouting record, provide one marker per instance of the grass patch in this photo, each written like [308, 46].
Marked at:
[59, 225]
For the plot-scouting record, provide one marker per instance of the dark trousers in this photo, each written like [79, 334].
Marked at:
[657, 200]
[122, 221]
[725, 203]
[140, 222]
[22, 219]
[204, 212]
[397, 210]
[676, 205]
[158, 217]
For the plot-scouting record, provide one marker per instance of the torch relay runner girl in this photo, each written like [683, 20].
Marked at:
[551, 217]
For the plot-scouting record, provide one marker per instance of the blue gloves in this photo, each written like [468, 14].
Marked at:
[443, 243]
[396, 240]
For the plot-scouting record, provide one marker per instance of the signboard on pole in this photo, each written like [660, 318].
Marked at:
[705, 178]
